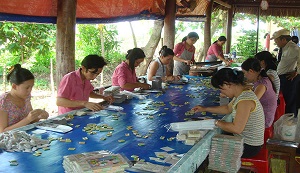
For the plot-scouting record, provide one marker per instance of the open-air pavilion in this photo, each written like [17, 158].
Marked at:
[66, 13]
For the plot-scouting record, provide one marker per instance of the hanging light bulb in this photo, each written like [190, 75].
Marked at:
[264, 5]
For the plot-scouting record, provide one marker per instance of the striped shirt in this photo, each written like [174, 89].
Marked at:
[276, 80]
[253, 132]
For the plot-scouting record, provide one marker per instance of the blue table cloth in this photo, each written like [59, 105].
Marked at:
[147, 116]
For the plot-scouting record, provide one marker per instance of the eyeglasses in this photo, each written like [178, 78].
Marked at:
[93, 72]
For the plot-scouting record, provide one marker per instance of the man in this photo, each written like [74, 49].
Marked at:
[288, 69]
[75, 88]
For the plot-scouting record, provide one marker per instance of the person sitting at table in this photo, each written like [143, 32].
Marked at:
[124, 74]
[75, 88]
[245, 108]
[158, 66]
[184, 54]
[215, 51]
[263, 88]
[15, 106]
[268, 62]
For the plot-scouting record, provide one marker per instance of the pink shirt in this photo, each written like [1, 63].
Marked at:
[15, 113]
[180, 47]
[123, 74]
[215, 49]
[73, 88]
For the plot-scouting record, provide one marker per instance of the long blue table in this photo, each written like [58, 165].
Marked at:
[148, 116]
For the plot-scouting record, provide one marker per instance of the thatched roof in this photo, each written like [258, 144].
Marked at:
[276, 7]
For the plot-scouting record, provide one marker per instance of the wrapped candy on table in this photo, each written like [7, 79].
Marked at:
[193, 125]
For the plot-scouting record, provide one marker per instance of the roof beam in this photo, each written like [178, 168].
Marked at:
[224, 4]
[271, 5]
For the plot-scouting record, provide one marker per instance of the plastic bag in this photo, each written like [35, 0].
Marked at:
[285, 128]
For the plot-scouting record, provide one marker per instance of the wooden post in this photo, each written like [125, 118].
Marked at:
[207, 28]
[229, 29]
[169, 28]
[65, 38]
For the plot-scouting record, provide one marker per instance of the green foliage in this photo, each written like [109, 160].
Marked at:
[24, 40]
[41, 83]
[89, 42]
[246, 44]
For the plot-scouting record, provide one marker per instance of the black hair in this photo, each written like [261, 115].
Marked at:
[134, 54]
[227, 75]
[18, 75]
[93, 62]
[221, 38]
[165, 51]
[190, 35]
[253, 63]
[268, 58]
[295, 39]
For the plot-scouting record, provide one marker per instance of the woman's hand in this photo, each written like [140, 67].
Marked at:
[145, 86]
[43, 115]
[198, 108]
[37, 114]
[110, 99]
[227, 63]
[188, 62]
[93, 106]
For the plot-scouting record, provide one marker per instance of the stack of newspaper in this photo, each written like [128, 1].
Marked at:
[98, 161]
[225, 154]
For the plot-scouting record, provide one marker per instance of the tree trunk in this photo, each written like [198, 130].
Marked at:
[133, 35]
[65, 38]
[150, 47]
[169, 28]
[213, 28]
[101, 30]
[52, 78]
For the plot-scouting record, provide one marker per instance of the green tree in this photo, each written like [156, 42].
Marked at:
[88, 42]
[25, 40]
[246, 45]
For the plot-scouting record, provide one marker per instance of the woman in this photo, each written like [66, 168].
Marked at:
[268, 62]
[15, 106]
[248, 121]
[159, 66]
[184, 54]
[215, 51]
[75, 88]
[263, 88]
[125, 76]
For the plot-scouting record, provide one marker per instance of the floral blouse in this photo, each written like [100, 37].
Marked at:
[15, 113]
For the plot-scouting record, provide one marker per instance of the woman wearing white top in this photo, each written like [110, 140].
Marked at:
[158, 67]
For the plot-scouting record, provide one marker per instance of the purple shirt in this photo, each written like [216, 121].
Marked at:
[122, 75]
[73, 88]
[268, 100]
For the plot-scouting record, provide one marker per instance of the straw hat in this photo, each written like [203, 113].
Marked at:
[280, 33]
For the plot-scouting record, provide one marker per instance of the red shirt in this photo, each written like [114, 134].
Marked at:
[73, 88]
[180, 47]
[215, 49]
[123, 74]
